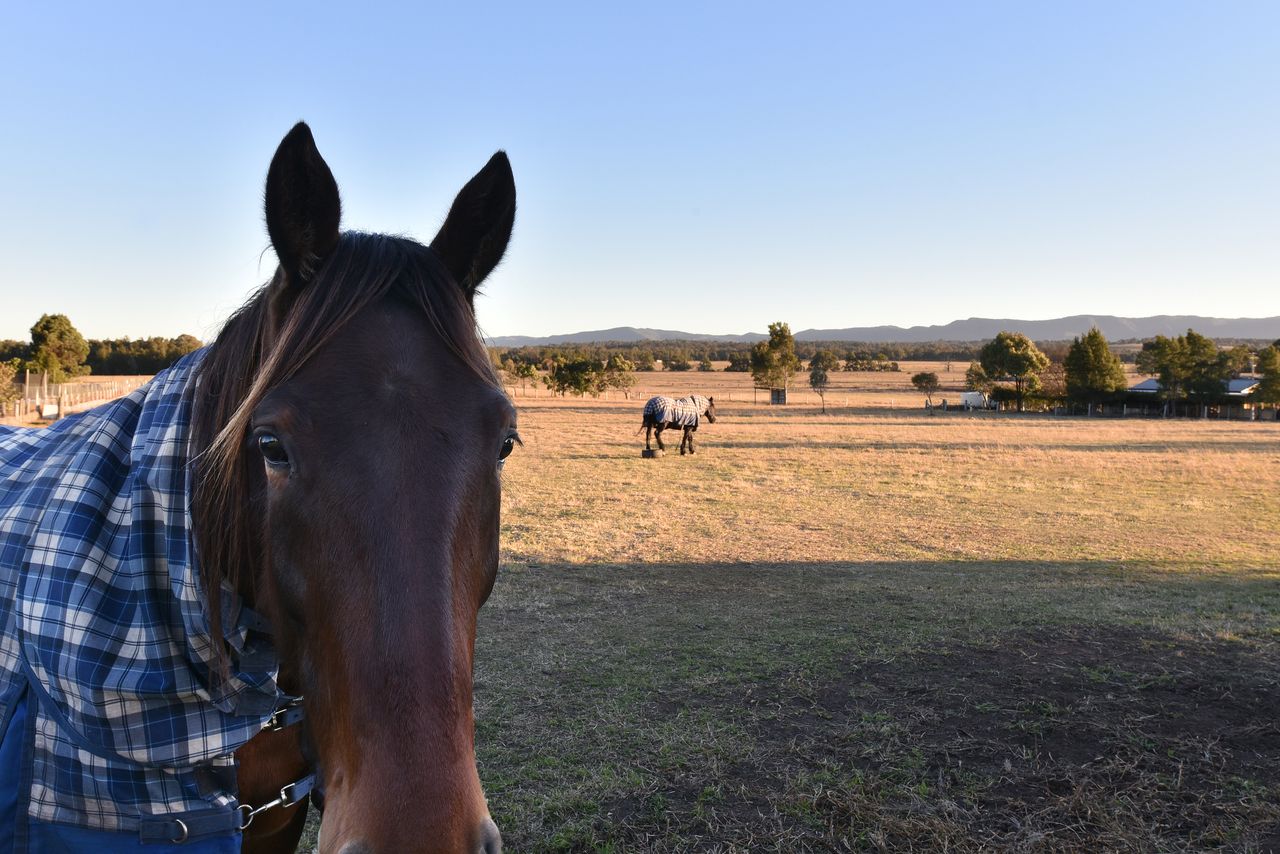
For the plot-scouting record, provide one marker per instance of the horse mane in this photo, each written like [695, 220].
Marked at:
[257, 349]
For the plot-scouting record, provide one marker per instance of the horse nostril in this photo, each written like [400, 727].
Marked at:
[490, 838]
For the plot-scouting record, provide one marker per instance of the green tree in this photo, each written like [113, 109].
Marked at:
[826, 359]
[1013, 355]
[590, 376]
[739, 362]
[518, 373]
[524, 372]
[1239, 360]
[10, 349]
[184, 344]
[1093, 371]
[1188, 367]
[8, 378]
[822, 363]
[619, 373]
[573, 376]
[976, 379]
[774, 361]
[1209, 368]
[704, 364]
[1166, 359]
[1269, 370]
[926, 382]
[679, 361]
[59, 348]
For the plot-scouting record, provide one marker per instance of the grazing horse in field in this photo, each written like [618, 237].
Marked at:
[239, 586]
[661, 413]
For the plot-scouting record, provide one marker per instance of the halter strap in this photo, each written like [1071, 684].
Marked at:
[289, 795]
[286, 716]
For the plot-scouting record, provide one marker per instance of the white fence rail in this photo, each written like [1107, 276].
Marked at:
[50, 402]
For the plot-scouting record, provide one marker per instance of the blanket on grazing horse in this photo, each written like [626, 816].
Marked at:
[683, 411]
[106, 695]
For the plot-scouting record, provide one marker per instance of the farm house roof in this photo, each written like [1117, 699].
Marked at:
[1239, 387]
[1242, 386]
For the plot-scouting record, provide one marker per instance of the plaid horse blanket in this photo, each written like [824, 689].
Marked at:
[113, 728]
[682, 411]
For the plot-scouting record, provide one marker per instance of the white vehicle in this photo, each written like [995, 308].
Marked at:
[974, 400]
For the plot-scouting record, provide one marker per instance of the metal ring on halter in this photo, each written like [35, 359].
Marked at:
[249, 813]
[182, 825]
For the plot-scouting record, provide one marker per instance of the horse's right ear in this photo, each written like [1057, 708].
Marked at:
[302, 205]
[475, 234]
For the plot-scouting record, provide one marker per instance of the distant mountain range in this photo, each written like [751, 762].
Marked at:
[973, 329]
[619, 334]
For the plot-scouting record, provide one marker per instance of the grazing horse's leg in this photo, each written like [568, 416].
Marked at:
[648, 430]
[684, 440]
[657, 435]
[689, 432]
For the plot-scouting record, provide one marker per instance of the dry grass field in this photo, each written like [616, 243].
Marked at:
[871, 482]
[881, 630]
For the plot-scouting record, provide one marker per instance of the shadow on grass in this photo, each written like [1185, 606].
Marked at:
[881, 706]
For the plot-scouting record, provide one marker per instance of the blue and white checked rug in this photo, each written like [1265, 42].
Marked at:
[106, 653]
[683, 411]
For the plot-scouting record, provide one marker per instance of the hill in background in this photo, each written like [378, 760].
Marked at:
[972, 329]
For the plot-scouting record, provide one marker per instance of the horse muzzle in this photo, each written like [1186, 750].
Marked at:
[487, 841]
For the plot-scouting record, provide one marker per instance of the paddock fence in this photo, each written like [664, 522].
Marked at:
[41, 403]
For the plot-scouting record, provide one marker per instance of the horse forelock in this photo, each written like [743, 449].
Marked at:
[255, 353]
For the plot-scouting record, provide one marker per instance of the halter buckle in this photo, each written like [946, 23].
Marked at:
[287, 798]
[285, 716]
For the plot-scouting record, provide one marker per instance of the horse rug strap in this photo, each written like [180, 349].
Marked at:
[106, 648]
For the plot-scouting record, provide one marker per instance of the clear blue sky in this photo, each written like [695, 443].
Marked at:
[706, 167]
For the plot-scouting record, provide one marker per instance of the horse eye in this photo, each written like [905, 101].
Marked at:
[507, 447]
[272, 450]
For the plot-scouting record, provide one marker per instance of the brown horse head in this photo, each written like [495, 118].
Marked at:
[350, 491]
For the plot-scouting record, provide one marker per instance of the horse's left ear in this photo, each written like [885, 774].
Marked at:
[476, 232]
[302, 206]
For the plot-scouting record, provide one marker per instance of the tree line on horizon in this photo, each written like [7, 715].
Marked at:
[57, 348]
[1191, 368]
[672, 356]
[680, 355]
